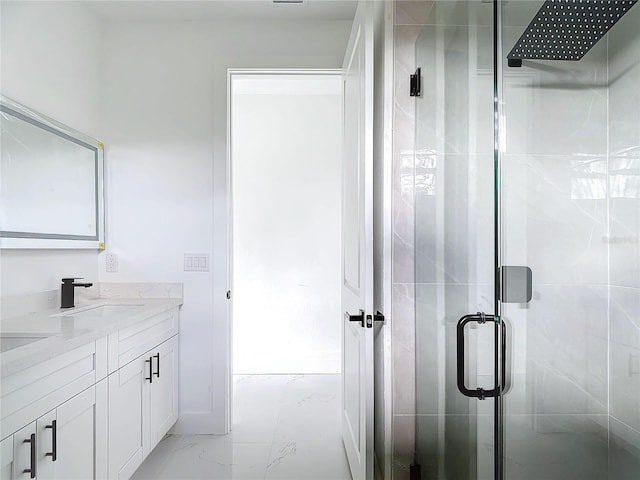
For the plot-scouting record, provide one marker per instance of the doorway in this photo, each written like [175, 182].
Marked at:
[285, 137]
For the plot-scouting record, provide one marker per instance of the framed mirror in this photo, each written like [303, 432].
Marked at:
[51, 182]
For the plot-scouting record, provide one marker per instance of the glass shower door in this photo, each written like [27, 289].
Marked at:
[570, 210]
[453, 168]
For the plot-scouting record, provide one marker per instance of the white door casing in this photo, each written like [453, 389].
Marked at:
[357, 245]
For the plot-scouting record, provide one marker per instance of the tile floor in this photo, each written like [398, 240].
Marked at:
[285, 427]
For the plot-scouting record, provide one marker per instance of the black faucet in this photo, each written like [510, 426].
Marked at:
[68, 290]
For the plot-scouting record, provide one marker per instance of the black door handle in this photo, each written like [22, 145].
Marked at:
[54, 441]
[480, 318]
[356, 318]
[32, 470]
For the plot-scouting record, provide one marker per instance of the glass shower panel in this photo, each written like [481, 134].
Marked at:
[569, 192]
[454, 240]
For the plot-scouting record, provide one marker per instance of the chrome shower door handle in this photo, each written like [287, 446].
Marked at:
[480, 318]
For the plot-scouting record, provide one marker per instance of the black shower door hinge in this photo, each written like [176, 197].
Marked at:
[415, 472]
[415, 84]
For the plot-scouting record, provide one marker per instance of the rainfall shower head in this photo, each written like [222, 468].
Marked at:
[567, 29]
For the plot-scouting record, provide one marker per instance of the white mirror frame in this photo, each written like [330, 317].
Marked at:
[40, 240]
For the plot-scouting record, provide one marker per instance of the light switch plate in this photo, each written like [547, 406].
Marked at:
[196, 262]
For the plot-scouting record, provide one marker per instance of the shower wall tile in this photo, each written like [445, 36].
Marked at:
[404, 105]
[412, 12]
[625, 355]
[556, 108]
[563, 369]
[624, 91]
[404, 443]
[554, 212]
[624, 451]
[438, 309]
[460, 13]
[455, 109]
[404, 353]
[454, 446]
[454, 239]
[624, 225]
[556, 447]
[403, 218]
[403, 156]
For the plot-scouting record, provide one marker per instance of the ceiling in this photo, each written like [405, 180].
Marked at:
[189, 10]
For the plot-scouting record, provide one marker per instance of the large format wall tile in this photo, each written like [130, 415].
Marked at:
[455, 110]
[624, 91]
[624, 451]
[625, 356]
[412, 12]
[556, 108]
[404, 444]
[554, 215]
[556, 447]
[454, 219]
[562, 364]
[438, 309]
[404, 355]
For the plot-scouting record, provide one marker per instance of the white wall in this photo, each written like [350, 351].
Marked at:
[286, 144]
[50, 61]
[164, 108]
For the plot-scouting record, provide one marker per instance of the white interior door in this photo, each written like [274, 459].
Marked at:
[357, 246]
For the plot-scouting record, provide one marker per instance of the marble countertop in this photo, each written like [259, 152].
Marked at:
[63, 330]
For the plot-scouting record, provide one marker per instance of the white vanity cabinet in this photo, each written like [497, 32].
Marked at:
[143, 394]
[68, 442]
[143, 406]
[163, 392]
[16, 454]
[95, 411]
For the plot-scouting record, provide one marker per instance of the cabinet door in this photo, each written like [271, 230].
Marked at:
[25, 453]
[164, 389]
[46, 431]
[80, 428]
[128, 418]
[6, 459]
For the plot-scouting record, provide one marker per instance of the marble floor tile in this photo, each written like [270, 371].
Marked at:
[285, 427]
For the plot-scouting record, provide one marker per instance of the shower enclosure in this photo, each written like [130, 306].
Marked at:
[527, 241]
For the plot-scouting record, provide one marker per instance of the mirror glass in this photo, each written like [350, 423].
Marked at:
[50, 183]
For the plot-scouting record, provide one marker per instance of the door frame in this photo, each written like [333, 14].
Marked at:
[231, 72]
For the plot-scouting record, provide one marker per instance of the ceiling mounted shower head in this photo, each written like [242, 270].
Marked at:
[567, 29]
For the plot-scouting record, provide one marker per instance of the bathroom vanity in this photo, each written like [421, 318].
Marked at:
[87, 392]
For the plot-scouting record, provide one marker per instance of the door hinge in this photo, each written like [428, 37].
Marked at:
[228, 294]
[415, 84]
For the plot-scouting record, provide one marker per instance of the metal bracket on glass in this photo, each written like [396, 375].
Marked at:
[480, 318]
[415, 84]
[515, 284]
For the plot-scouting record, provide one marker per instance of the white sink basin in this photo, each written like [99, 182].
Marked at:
[9, 341]
[103, 311]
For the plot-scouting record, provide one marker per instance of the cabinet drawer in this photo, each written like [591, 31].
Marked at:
[33, 392]
[134, 341]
